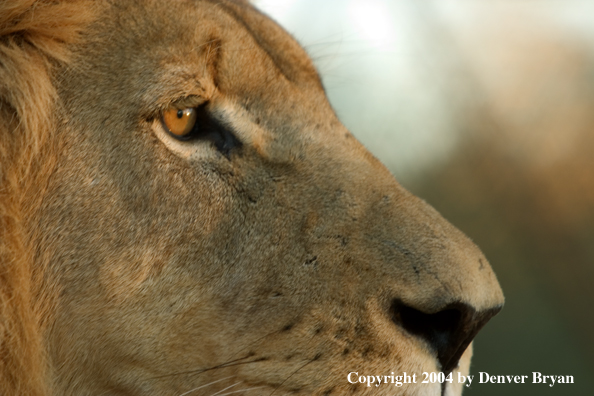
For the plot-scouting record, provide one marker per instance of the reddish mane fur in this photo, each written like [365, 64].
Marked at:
[34, 38]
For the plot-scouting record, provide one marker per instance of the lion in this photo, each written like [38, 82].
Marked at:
[182, 213]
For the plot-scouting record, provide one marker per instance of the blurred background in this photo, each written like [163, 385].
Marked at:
[486, 110]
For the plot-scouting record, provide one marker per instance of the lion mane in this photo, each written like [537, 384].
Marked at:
[33, 39]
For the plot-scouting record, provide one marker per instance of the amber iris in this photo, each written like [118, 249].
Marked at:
[179, 122]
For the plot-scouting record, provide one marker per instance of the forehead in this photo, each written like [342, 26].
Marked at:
[229, 42]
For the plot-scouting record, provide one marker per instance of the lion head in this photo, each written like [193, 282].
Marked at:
[182, 213]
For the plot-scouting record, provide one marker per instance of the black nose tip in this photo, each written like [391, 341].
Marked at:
[448, 331]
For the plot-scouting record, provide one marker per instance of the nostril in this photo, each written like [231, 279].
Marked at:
[448, 331]
[438, 329]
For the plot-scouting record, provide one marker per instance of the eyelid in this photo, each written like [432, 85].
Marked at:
[179, 103]
[188, 102]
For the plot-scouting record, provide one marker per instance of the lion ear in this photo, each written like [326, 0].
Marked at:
[34, 37]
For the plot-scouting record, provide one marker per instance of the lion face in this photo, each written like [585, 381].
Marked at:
[263, 251]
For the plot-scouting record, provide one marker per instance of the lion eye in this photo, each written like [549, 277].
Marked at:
[179, 123]
[197, 125]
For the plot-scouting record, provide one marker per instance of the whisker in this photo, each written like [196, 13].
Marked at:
[241, 390]
[223, 390]
[292, 374]
[200, 371]
[226, 364]
[204, 386]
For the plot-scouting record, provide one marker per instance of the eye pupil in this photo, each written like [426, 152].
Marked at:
[180, 113]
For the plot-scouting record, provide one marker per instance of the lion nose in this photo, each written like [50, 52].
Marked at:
[448, 331]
